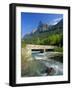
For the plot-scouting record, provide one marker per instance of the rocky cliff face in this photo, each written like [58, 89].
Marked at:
[44, 30]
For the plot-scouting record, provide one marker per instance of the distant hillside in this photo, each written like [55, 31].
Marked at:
[40, 34]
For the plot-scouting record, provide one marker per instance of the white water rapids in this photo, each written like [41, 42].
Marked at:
[44, 58]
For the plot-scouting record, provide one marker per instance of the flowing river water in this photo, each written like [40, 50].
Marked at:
[52, 65]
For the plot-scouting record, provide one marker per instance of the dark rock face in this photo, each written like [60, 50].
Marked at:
[49, 70]
[42, 27]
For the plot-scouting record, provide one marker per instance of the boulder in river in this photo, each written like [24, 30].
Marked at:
[49, 70]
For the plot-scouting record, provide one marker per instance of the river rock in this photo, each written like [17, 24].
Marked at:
[49, 70]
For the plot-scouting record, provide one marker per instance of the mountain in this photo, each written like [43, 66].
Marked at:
[60, 23]
[58, 27]
[43, 31]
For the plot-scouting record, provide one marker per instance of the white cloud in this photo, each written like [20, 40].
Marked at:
[55, 21]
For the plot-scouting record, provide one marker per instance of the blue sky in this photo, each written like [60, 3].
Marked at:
[29, 21]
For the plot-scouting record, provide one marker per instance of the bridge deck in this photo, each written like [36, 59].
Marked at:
[29, 46]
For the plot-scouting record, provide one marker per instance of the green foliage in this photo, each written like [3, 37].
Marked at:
[52, 39]
[55, 39]
[58, 49]
[23, 44]
[38, 41]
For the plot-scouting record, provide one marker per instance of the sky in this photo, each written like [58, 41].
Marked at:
[30, 21]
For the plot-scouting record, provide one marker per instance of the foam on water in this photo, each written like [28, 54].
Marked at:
[43, 57]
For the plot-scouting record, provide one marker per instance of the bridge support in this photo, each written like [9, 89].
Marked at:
[44, 50]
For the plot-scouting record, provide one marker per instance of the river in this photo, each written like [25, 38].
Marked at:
[52, 65]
